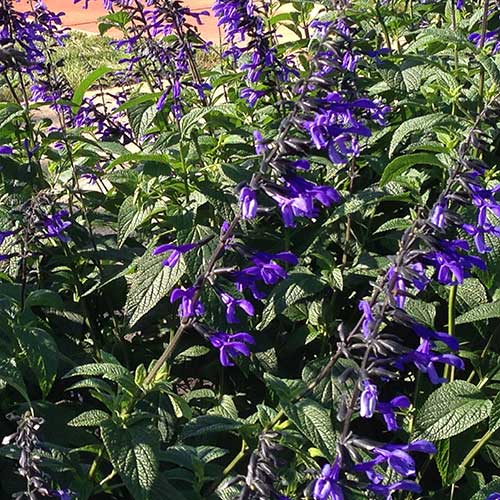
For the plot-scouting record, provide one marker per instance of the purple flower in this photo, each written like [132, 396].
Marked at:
[350, 61]
[62, 494]
[266, 267]
[260, 147]
[6, 150]
[368, 319]
[321, 27]
[248, 203]
[368, 399]
[389, 489]
[176, 252]
[326, 487]
[55, 225]
[188, 307]
[451, 266]
[398, 288]
[491, 37]
[418, 276]
[387, 411]
[478, 234]
[397, 458]
[233, 303]
[484, 200]
[231, 345]
[438, 215]
[493, 496]
[252, 95]
[427, 334]
[424, 359]
[297, 196]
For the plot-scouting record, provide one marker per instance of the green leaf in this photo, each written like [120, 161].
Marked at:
[194, 117]
[312, 420]
[42, 355]
[44, 298]
[90, 418]
[141, 118]
[297, 286]
[494, 424]
[114, 19]
[442, 459]
[140, 99]
[11, 376]
[163, 489]
[423, 312]
[480, 312]
[130, 217]
[88, 81]
[418, 124]
[133, 451]
[149, 284]
[139, 157]
[470, 294]
[209, 424]
[450, 410]
[400, 165]
[491, 68]
[483, 493]
[331, 389]
[111, 371]
[393, 224]
[285, 389]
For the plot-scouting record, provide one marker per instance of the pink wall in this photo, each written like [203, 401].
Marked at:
[85, 19]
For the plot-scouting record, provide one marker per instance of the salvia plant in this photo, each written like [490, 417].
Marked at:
[261, 267]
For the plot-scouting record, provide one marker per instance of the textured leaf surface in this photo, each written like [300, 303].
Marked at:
[450, 410]
[314, 422]
[42, 355]
[400, 165]
[494, 423]
[150, 283]
[207, 424]
[11, 376]
[89, 418]
[130, 217]
[482, 311]
[134, 454]
[111, 371]
[296, 287]
[483, 493]
[418, 124]
[393, 224]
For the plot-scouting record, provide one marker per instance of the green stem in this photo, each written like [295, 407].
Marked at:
[414, 402]
[449, 371]
[95, 463]
[484, 27]
[474, 451]
[234, 462]
[382, 23]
